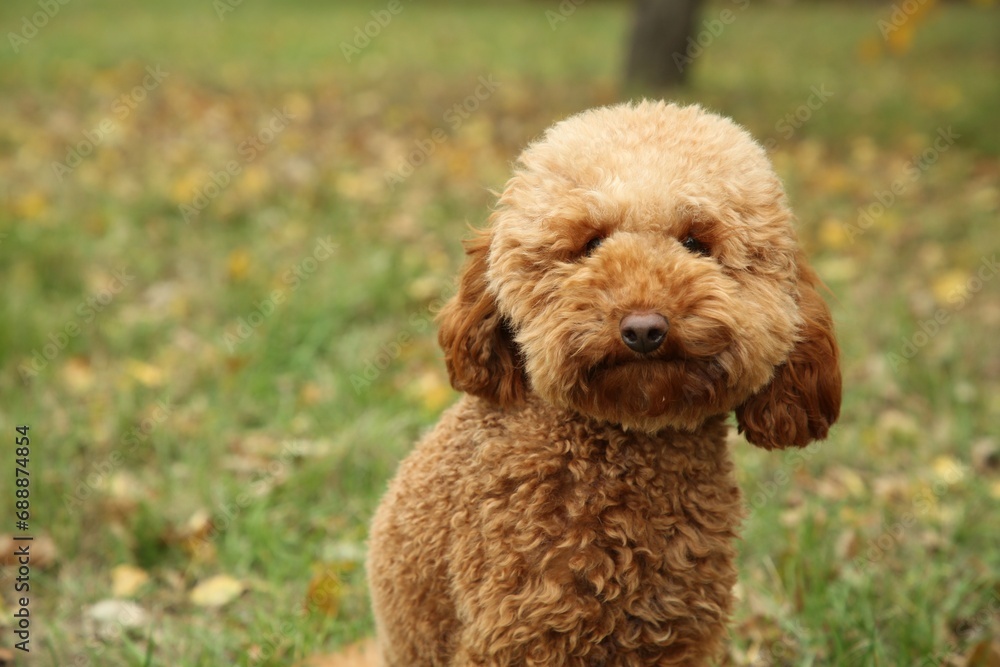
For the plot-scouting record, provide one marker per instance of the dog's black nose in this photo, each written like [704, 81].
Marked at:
[644, 332]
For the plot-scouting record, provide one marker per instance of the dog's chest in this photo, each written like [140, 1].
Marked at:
[614, 542]
[604, 547]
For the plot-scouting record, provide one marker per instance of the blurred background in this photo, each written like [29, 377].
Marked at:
[225, 228]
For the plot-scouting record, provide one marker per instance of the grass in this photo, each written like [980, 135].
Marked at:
[235, 401]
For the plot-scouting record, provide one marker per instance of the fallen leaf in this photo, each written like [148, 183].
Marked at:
[126, 580]
[833, 234]
[31, 205]
[238, 264]
[947, 469]
[78, 375]
[146, 374]
[950, 285]
[108, 618]
[122, 495]
[41, 550]
[985, 456]
[984, 654]
[216, 591]
[324, 591]
[361, 654]
[848, 545]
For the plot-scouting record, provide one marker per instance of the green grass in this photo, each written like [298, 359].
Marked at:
[863, 551]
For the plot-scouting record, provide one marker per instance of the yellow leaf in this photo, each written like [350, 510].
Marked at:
[31, 205]
[833, 234]
[196, 537]
[254, 181]
[310, 393]
[948, 469]
[324, 591]
[78, 375]
[950, 286]
[433, 390]
[361, 654]
[367, 185]
[184, 189]
[995, 490]
[126, 580]
[216, 591]
[238, 264]
[869, 49]
[298, 105]
[144, 373]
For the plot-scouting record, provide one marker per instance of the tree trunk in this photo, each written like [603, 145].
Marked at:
[658, 52]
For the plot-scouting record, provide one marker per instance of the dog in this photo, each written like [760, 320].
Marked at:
[639, 280]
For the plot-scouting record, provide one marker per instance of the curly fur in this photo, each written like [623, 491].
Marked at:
[578, 506]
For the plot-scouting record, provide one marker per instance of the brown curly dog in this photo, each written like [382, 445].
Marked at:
[639, 279]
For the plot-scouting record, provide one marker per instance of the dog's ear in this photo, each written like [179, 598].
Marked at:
[479, 350]
[802, 400]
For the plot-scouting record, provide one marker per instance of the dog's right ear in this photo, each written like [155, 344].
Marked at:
[479, 349]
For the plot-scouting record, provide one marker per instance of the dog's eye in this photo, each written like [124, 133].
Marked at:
[694, 245]
[593, 245]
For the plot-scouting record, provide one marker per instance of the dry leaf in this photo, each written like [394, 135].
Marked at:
[78, 375]
[31, 205]
[238, 264]
[146, 374]
[948, 469]
[324, 591]
[126, 580]
[41, 549]
[848, 545]
[950, 285]
[985, 456]
[216, 591]
[108, 618]
[984, 654]
[361, 654]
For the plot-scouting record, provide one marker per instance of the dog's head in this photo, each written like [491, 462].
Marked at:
[641, 268]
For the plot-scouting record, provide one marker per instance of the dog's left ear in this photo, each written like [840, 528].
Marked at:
[802, 400]
[479, 350]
